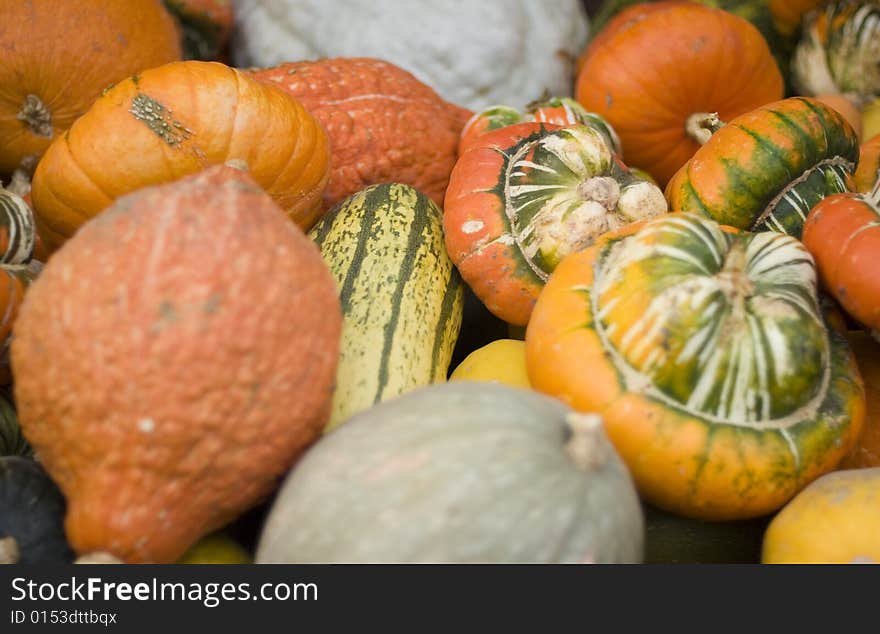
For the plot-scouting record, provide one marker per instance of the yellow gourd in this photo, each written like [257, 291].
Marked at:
[502, 361]
[871, 119]
[216, 549]
[836, 519]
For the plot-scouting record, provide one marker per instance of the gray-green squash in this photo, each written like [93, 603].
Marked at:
[459, 473]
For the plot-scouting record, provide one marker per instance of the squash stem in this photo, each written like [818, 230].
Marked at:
[37, 116]
[584, 448]
[9, 552]
[700, 126]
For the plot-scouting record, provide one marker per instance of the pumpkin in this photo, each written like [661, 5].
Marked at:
[526, 195]
[758, 12]
[766, 169]
[384, 124]
[705, 351]
[46, 44]
[401, 296]
[842, 234]
[502, 361]
[208, 326]
[473, 53]
[561, 111]
[205, 25]
[459, 473]
[712, 62]
[846, 108]
[868, 172]
[835, 520]
[216, 549]
[171, 121]
[31, 515]
[839, 51]
[866, 452]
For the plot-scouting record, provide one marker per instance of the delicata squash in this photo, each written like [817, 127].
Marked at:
[707, 354]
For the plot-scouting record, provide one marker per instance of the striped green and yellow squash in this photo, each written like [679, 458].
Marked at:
[401, 296]
[707, 353]
[17, 230]
[766, 169]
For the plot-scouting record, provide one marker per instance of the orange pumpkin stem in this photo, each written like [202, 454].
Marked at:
[37, 116]
[583, 447]
[9, 552]
[700, 126]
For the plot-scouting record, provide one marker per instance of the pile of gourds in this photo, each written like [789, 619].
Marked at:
[543, 294]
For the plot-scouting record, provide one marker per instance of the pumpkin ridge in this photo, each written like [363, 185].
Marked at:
[833, 161]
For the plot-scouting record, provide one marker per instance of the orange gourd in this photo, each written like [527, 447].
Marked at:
[172, 361]
[711, 62]
[175, 120]
[842, 233]
[868, 172]
[59, 56]
[384, 124]
[788, 14]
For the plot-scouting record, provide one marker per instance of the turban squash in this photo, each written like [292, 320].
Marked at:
[766, 169]
[59, 56]
[174, 120]
[384, 124]
[706, 352]
[208, 326]
[523, 197]
[711, 62]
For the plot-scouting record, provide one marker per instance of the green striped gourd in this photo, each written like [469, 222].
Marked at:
[839, 51]
[401, 296]
[17, 232]
[766, 169]
[710, 357]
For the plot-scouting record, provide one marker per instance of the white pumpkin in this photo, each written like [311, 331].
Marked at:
[473, 53]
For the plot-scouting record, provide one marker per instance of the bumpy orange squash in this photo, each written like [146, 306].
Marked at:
[657, 70]
[59, 55]
[174, 120]
[384, 124]
[706, 352]
[208, 327]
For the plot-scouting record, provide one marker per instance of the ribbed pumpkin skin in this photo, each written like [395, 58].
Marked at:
[401, 296]
[175, 120]
[208, 326]
[524, 196]
[868, 172]
[46, 43]
[32, 512]
[766, 169]
[665, 330]
[384, 124]
[206, 25]
[843, 235]
[712, 61]
[458, 473]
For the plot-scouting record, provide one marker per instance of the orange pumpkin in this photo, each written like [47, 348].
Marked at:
[208, 326]
[59, 56]
[866, 453]
[175, 120]
[707, 354]
[868, 172]
[842, 233]
[659, 103]
[384, 124]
